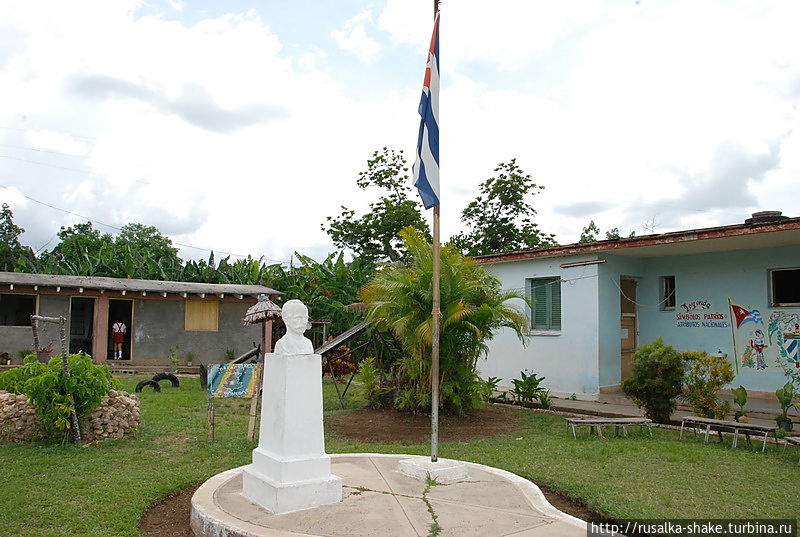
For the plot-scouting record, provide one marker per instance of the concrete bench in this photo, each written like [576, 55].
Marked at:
[596, 424]
[794, 440]
[733, 426]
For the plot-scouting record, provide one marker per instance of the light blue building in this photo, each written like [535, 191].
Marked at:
[732, 289]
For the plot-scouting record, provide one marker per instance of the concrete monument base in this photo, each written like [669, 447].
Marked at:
[290, 469]
[283, 497]
[380, 500]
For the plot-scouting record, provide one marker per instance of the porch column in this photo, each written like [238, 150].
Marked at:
[100, 341]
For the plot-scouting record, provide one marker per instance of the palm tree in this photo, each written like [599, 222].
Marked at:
[473, 305]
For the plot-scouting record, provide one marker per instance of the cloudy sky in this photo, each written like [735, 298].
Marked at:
[240, 125]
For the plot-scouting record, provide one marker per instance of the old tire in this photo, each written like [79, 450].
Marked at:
[167, 376]
[150, 383]
[203, 376]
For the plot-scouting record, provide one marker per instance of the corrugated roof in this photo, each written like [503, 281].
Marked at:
[132, 285]
[720, 232]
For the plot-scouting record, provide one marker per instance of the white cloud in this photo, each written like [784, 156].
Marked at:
[56, 141]
[352, 37]
[224, 138]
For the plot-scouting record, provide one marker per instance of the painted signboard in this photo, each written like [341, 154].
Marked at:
[234, 380]
[695, 314]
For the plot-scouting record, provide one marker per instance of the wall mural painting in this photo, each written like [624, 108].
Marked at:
[766, 346]
[784, 331]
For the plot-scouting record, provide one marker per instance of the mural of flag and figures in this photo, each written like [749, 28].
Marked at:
[773, 345]
[234, 380]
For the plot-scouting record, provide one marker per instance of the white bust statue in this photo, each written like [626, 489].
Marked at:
[295, 317]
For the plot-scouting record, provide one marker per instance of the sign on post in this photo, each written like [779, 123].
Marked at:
[234, 380]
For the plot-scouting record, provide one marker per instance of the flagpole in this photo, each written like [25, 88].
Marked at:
[435, 318]
[733, 335]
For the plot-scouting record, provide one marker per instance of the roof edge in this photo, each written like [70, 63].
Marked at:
[736, 230]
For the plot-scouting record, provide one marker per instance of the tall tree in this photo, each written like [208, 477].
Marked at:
[500, 219]
[147, 240]
[81, 240]
[374, 235]
[10, 247]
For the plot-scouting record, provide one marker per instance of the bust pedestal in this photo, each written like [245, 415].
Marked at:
[290, 469]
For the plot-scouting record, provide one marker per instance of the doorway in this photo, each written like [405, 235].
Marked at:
[81, 323]
[628, 325]
[120, 310]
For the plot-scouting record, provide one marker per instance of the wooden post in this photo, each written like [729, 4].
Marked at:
[251, 426]
[62, 322]
[267, 336]
[210, 419]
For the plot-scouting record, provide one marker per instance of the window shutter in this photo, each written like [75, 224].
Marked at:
[202, 316]
[540, 304]
[555, 304]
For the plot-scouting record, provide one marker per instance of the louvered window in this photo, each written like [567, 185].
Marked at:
[546, 303]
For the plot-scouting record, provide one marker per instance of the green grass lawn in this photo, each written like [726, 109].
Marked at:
[101, 491]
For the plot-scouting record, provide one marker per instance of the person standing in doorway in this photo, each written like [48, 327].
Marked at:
[118, 330]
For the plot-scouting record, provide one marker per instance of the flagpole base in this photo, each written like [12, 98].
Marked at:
[441, 471]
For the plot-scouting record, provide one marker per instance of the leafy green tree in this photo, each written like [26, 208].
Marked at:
[500, 219]
[374, 235]
[10, 247]
[81, 241]
[473, 306]
[590, 233]
[147, 241]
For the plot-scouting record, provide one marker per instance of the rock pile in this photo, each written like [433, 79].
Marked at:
[18, 419]
[117, 414]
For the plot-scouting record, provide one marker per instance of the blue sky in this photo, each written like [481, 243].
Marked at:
[202, 117]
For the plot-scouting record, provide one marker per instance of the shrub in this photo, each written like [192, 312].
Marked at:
[526, 389]
[655, 380]
[53, 395]
[474, 308]
[545, 400]
[369, 387]
[342, 366]
[740, 398]
[705, 375]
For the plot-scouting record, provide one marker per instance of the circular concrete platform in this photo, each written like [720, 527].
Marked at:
[379, 500]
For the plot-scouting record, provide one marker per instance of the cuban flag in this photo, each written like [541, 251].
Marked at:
[426, 167]
[744, 316]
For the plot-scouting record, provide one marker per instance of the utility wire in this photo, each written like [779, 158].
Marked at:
[120, 229]
[42, 150]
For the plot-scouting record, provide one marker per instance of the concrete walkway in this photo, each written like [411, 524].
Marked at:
[379, 500]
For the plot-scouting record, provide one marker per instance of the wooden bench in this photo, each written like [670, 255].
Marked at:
[729, 426]
[794, 440]
[596, 424]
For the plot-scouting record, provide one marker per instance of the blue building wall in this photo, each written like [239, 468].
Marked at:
[566, 357]
[703, 285]
[610, 272]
